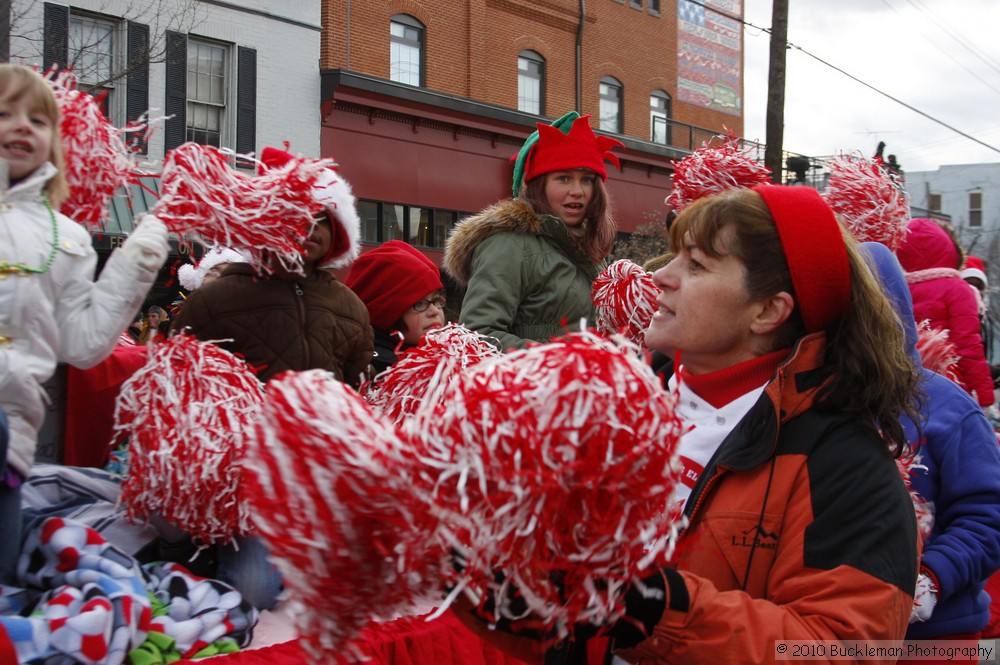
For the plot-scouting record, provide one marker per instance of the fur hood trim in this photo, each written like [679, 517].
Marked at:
[510, 215]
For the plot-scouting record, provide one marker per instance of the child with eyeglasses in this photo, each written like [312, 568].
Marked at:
[404, 295]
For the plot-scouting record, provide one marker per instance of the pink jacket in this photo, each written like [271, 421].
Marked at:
[942, 297]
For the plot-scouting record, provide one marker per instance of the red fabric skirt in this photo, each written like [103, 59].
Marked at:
[406, 641]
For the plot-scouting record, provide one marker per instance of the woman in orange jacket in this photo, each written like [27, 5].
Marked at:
[792, 375]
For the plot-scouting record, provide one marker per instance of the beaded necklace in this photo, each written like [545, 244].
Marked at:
[7, 268]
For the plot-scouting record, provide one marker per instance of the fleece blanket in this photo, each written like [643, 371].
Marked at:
[83, 600]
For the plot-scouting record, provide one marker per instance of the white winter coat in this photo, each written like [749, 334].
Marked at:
[61, 315]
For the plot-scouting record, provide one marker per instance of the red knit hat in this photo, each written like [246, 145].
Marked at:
[814, 249]
[579, 149]
[390, 278]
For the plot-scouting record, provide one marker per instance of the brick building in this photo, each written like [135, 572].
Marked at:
[423, 102]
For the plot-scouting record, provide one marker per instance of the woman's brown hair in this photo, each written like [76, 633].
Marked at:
[870, 373]
[599, 224]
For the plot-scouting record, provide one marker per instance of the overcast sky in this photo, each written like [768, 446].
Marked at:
[941, 57]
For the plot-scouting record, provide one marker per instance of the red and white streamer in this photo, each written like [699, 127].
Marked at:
[97, 160]
[713, 169]
[867, 200]
[330, 485]
[267, 217]
[553, 465]
[188, 413]
[625, 300]
[907, 465]
[937, 351]
[442, 355]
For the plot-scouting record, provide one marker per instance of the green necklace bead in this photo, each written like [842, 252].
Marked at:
[7, 268]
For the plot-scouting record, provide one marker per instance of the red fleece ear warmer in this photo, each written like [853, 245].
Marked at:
[390, 278]
[815, 251]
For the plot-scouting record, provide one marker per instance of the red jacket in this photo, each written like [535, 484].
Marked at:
[947, 301]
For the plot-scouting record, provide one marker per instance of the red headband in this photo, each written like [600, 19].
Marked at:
[815, 251]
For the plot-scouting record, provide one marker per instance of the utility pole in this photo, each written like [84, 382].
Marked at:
[774, 125]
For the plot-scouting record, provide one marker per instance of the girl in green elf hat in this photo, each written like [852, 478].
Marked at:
[528, 263]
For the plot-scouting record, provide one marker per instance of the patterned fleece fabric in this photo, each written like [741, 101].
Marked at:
[83, 600]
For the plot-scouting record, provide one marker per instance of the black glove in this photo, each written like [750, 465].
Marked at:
[644, 605]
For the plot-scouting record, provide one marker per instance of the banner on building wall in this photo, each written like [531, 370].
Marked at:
[709, 54]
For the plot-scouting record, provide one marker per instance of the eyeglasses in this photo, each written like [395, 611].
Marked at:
[422, 305]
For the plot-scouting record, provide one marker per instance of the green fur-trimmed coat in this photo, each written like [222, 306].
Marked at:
[525, 279]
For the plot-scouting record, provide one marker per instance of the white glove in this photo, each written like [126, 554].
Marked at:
[924, 599]
[147, 245]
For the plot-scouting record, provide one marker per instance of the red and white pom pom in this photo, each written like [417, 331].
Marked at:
[188, 413]
[713, 169]
[267, 218]
[329, 482]
[906, 465]
[97, 161]
[437, 361]
[554, 462]
[624, 299]
[937, 352]
[867, 200]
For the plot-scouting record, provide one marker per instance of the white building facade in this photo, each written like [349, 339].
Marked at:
[969, 194]
[236, 74]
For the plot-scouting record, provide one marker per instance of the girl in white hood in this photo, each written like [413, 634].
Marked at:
[51, 309]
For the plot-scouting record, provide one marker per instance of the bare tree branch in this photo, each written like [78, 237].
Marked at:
[87, 47]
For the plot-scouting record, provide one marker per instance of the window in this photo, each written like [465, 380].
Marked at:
[206, 93]
[975, 209]
[406, 50]
[368, 213]
[636, 3]
[109, 55]
[530, 83]
[611, 105]
[659, 117]
[91, 55]
[418, 226]
[211, 95]
[654, 6]
[934, 202]
[392, 222]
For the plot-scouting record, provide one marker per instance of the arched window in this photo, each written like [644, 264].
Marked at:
[406, 50]
[659, 117]
[531, 82]
[612, 113]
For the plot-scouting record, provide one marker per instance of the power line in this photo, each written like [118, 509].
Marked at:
[895, 99]
[850, 76]
[947, 53]
[961, 40]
